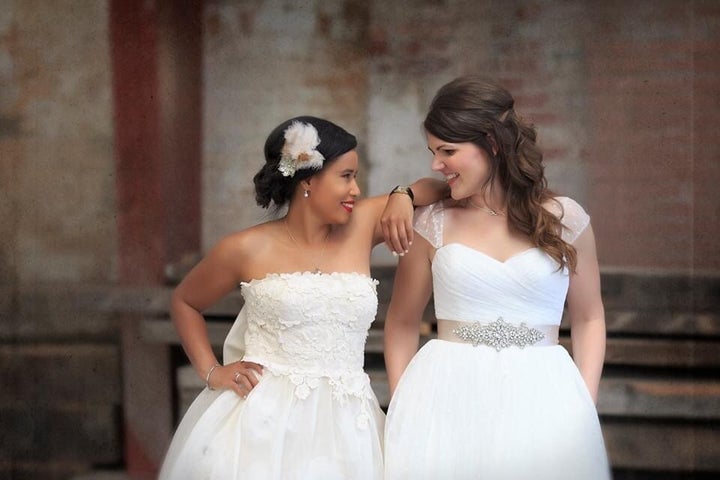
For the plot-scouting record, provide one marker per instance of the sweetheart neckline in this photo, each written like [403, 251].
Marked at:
[501, 262]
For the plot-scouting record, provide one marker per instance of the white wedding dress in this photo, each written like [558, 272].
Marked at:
[494, 412]
[313, 414]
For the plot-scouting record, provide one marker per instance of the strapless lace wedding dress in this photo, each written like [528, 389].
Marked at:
[313, 415]
[494, 397]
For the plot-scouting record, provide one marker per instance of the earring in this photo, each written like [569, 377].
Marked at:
[306, 194]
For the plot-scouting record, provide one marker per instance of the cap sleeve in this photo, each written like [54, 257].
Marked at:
[428, 222]
[574, 219]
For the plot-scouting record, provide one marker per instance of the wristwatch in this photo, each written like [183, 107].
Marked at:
[405, 190]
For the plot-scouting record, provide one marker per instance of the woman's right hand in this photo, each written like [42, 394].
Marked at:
[241, 377]
[396, 222]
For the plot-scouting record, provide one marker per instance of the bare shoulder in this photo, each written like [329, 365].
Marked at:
[243, 245]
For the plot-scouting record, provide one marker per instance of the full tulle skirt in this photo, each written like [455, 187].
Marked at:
[465, 412]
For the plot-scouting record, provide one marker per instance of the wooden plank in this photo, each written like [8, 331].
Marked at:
[659, 398]
[162, 331]
[656, 352]
[630, 397]
[663, 352]
[663, 446]
[620, 351]
[649, 322]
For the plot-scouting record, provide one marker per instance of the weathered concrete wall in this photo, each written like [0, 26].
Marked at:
[60, 362]
[266, 61]
[653, 89]
[56, 141]
[624, 94]
[619, 92]
[612, 88]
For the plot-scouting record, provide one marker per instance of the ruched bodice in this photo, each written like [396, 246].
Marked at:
[494, 396]
[470, 286]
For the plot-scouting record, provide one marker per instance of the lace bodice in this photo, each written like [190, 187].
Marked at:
[469, 285]
[306, 325]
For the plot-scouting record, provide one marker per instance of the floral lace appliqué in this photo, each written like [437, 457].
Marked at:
[312, 328]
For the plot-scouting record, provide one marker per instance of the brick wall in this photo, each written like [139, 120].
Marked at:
[652, 90]
[622, 93]
[614, 90]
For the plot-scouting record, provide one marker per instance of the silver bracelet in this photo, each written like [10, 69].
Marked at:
[207, 377]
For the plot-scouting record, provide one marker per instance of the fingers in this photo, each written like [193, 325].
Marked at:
[396, 224]
[398, 234]
[243, 382]
[400, 239]
[247, 376]
[409, 233]
[253, 366]
[240, 377]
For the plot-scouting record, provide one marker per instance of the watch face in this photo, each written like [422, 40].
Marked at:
[406, 190]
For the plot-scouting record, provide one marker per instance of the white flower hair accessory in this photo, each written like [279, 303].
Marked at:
[300, 149]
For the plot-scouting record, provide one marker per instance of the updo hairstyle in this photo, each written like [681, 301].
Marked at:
[271, 185]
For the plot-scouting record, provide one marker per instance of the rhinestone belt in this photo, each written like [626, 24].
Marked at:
[498, 334]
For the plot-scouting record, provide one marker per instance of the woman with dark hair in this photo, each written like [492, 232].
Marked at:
[494, 396]
[291, 400]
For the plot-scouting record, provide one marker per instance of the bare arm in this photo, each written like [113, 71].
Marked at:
[395, 225]
[411, 293]
[587, 315]
[214, 277]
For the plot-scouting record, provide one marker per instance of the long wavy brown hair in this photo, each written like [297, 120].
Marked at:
[472, 109]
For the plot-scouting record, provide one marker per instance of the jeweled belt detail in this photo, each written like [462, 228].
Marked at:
[499, 334]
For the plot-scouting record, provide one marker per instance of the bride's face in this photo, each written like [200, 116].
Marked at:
[333, 191]
[465, 166]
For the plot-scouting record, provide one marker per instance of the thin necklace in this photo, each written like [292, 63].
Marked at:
[488, 210]
[318, 262]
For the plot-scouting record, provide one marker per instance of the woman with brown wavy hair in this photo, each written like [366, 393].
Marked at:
[494, 396]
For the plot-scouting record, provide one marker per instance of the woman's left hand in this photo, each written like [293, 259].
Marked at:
[396, 223]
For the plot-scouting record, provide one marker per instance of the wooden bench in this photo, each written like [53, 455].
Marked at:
[659, 399]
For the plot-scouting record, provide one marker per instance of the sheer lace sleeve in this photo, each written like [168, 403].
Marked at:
[428, 222]
[573, 217]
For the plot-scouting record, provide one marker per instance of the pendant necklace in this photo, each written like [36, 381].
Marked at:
[318, 261]
[488, 210]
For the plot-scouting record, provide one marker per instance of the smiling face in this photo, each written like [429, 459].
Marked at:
[333, 190]
[465, 166]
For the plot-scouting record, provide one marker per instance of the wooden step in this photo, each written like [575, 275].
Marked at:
[621, 396]
[104, 475]
[663, 446]
[654, 352]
